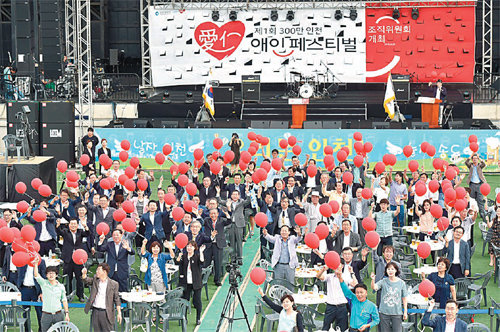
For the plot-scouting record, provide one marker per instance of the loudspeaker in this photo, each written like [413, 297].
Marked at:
[17, 129]
[250, 88]
[401, 86]
[57, 112]
[58, 133]
[142, 124]
[17, 106]
[224, 95]
[113, 57]
[59, 152]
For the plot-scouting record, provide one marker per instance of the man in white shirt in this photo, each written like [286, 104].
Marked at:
[103, 299]
[29, 287]
[312, 211]
[336, 303]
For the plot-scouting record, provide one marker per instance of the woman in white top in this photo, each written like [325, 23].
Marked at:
[380, 192]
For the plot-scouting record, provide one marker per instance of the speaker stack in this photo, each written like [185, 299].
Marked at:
[250, 88]
[15, 127]
[57, 130]
[50, 38]
[401, 87]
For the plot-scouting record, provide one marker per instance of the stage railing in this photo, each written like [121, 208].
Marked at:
[486, 93]
[122, 87]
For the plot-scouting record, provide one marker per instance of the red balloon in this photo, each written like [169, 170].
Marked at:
[322, 231]
[122, 178]
[312, 240]
[62, 166]
[385, 159]
[346, 149]
[460, 204]
[474, 146]
[252, 136]
[6, 234]
[183, 168]
[103, 158]
[39, 216]
[328, 150]
[174, 169]
[423, 147]
[277, 164]
[292, 140]
[265, 165]
[368, 147]
[129, 225]
[102, 228]
[242, 165]
[407, 151]
[252, 150]
[128, 206]
[72, 184]
[134, 162]
[357, 136]
[426, 288]
[261, 219]
[245, 156]
[335, 206]
[160, 158]
[283, 143]
[485, 189]
[191, 189]
[358, 161]
[262, 174]
[472, 139]
[166, 149]
[358, 147]
[183, 180]
[35, 245]
[170, 199]
[498, 198]
[20, 258]
[84, 159]
[36, 182]
[198, 154]
[119, 215]
[130, 172]
[326, 210]
[328, 160]
[392, 159]
[460, 193]
[218, 143]
[296, 150]
[369, 224]
[341, 155]
[332, 260]
[372, 239]
[413, 165]
[3, 223]
[181, 240]
[123, 155]
[300, 219]
[255, 145]
[431, 151]
[264, 141]
[436, 210]
[17, 233]
[45, 190]
[188, 205]
[433, 186]
[28, 233]
[228, 156]
[347, 177]
[446, 184]
[125, 145]
[178, 213]
[19, 244]
[80, 256]
[258, 275]
[443, 223]
[71, 176]
[22, 206]
[420, 188]
[130, 185]
[215, 167]
[437, 163]
[366, 193]
[450, 173]
[379, 167]
[312, 170]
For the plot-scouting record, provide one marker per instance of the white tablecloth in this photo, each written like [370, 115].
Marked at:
[9, 296]
[309, 298]
[303, 249]
[416, 229]
[418, 300]
[427, 269]
[141, 296]
[52, 261]
[307, 272]
[435, 245]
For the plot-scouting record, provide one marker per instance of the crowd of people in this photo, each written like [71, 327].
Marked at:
[223, 216]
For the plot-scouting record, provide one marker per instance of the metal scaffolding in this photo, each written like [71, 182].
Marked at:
[70, 30]
[487, 42]
[145, 53]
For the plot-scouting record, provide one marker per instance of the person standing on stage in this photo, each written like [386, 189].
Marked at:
[439, 92]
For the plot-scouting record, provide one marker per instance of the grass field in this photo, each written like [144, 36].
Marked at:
[479, 265]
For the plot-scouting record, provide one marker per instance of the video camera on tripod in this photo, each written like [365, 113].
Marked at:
[233, 268]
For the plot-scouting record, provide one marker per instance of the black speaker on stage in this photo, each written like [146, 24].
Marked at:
[250, 88]
[142, 124]
[224, 95]
[60, 133]
[401, 86]
[13, 107]
[64, 152]
[57, 112]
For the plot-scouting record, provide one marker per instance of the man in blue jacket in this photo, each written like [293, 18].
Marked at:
[153, 221]
[449, 322]
[46, 234]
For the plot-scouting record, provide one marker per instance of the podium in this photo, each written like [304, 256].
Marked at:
[299, 111]
[430, 110]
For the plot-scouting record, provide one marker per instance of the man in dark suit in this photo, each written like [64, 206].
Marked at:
[90, 137]
[219, 179]
[153, 222]
[165, 219]
[325, 185]
[265, 206]
[278, 191]
[65, 206]
[103, 212]
[103, 299]
[360, 208]
[284, 215]
[9, 270]
[117, 259]
[214, 227]
[46, 230]
[440, 323]
[236, 186]
[438, 91]
[236, 207]
[29, 287]
[460, 264]
[73, 240]
[345, 234]
[292, 190]
[206, 188]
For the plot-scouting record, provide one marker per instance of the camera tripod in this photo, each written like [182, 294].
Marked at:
[229, 308]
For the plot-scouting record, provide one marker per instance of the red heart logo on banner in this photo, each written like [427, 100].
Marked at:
[219, 42]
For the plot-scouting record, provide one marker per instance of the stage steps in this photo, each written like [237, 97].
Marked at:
[315, 112]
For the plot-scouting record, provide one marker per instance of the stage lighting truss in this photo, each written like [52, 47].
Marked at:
[396, 14]
[353, 14]
[274, 15]
[215, 15]
[338, 15]
[233, 15]
[290, 15]
[415, 14]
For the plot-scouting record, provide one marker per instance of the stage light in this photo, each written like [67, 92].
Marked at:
[467, 97]
[415, 14]
[396, 14]
[166, 97]
[233, 16]
[189, 97]
[215, 15]
[274, 15]
[338, 15]
[143, 97]
[290, 15]
[353, 15]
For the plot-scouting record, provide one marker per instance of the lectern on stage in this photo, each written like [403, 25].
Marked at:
[299, 111]
[430, 110]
